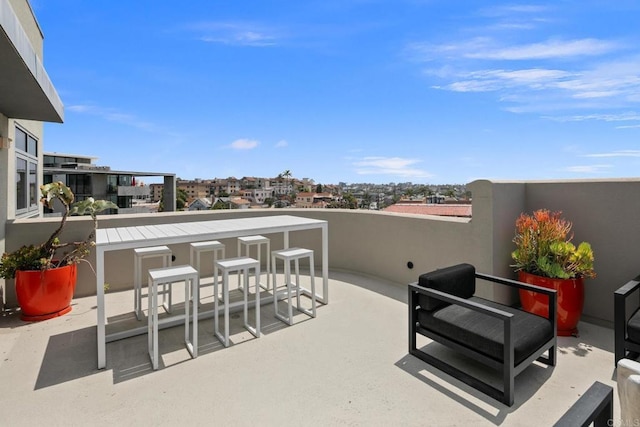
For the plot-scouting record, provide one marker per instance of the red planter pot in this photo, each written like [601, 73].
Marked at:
[570, 300]
[45, 294]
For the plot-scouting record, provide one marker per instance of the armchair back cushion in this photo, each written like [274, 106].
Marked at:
[458, 280]
[633, 327]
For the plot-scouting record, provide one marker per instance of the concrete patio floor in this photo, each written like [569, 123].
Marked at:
[348, 366]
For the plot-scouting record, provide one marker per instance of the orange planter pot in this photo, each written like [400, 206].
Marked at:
[570, 300]
[45, 294]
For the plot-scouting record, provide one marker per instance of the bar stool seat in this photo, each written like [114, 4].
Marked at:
[169, 275]
[141, 254]
[287, 256]
[198, 248]
[239, 265]
[246, 243]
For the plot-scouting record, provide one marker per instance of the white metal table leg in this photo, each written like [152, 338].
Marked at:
[101, 327]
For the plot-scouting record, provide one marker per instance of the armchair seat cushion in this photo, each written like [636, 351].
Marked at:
[485, 333]
[633, 327]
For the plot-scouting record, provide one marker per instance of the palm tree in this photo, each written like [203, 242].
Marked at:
[287, 174]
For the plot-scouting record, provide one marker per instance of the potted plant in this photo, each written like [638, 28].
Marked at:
[45, 274]
[545, 256]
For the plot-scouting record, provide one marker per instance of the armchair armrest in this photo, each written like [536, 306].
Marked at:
[515, 284]
[628, 288]
[551, 293]
[452, 299]
[594, 406]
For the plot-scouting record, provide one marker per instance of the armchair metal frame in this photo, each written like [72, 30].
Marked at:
[594, 406]
[621, 317]
[507, 366]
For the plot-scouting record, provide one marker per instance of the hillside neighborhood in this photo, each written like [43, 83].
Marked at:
[286, 191]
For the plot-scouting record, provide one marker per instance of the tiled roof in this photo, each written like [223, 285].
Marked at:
[431, 209]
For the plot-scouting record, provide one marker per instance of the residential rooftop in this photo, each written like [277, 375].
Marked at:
[348, 366]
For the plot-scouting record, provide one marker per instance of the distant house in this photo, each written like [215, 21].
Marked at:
[200, 204]
[231, 203]
[313, 200]
[240, 203]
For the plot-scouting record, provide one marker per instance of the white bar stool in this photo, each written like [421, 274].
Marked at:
[169, 275]
[232, 265]
[145, 253]
[246, 243]
[288, 255]
[197, 248]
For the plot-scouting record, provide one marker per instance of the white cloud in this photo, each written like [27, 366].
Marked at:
[235, 33]
[244, 144]
[545, 50]
[114, 115]
[620, 117]
[282, 143]
[81, 108]
[618, 153]
[487, 48]
[389, 166]
[588, 169]
[550, 73]
[628, 127]
[495, 80]
[607, 85]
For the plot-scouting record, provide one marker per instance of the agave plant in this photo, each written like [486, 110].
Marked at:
[54, 253]
[544, 247]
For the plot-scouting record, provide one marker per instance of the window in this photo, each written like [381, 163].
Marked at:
[26, 173]
[80, 185]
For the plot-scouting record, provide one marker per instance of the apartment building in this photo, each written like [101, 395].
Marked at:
[282, 186]
[155, 191]
[250, 182]
[257, 195]
[86, 179]
[27, 99]
[195, 188]
[225, 186]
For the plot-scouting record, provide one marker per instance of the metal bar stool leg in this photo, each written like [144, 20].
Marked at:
[152, 323]
[191, 295]
[287, 277]
[313, 285]
[225, 291]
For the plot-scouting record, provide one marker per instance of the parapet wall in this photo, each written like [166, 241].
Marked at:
[384, 245]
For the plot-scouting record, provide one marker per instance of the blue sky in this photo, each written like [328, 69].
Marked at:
[427, 91]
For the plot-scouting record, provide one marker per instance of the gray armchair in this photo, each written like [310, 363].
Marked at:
[442, 307]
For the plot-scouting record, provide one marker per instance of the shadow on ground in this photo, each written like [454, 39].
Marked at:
[526, 384]
[73, 355]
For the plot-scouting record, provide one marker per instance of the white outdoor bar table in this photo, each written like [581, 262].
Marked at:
[119, 238]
